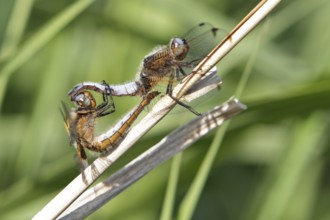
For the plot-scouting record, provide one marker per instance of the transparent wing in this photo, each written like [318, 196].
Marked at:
[201, 40]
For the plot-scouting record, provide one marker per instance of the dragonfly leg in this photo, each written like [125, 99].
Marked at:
[169, 91]
[188, 107]
[87, 103]
[106, 107]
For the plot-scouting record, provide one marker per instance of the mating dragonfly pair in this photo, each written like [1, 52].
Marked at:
[166, 64]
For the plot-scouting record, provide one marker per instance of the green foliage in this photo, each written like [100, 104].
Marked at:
[273, 161]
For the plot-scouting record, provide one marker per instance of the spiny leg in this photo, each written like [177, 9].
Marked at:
[189, 108]
[180, 71]
[87, 103]
[169, 91]
[187, 64]
[169, 88]
[106, 108]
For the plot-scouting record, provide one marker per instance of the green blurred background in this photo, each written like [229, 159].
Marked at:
[274, 160]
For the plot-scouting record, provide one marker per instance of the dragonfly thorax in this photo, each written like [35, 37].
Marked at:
[179, 48]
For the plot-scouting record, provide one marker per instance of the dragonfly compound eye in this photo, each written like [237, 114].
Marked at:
[85, 100]
[179, 48]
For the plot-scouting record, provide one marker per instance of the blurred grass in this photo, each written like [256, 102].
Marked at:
[189, 203]
[287, 95]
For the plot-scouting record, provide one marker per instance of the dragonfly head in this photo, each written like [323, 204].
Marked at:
[85, 100]
[179, 48]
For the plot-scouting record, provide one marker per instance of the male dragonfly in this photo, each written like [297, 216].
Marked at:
[166, 64]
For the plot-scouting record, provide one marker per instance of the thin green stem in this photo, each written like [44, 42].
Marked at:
[167, 210]
[190, 201]
[39, 40]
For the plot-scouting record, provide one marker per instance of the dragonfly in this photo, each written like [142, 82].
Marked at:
[80, 123]
[165, 64]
